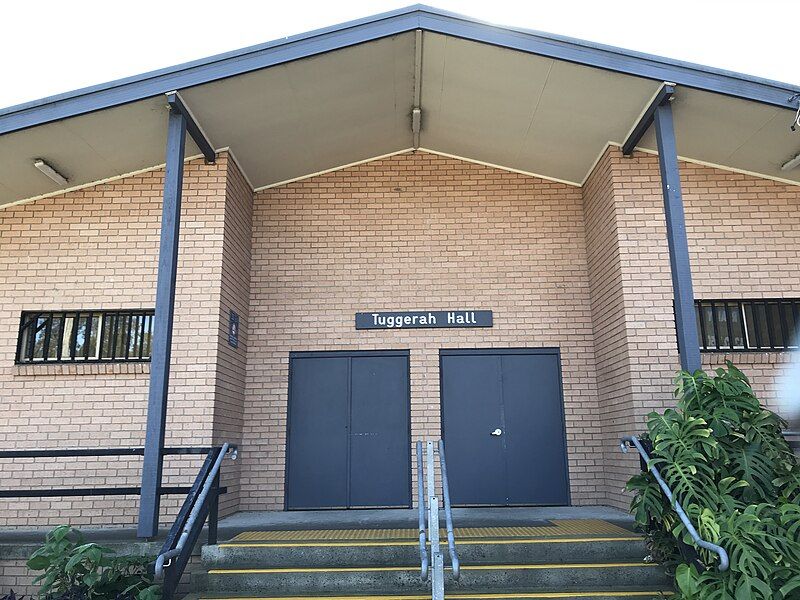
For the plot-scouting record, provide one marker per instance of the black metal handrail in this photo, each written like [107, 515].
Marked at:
[202, 502]
[96, 490]
[718, 550]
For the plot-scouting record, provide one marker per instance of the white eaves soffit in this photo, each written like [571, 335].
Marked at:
[494, 105]
[732, 132]
[85, 149]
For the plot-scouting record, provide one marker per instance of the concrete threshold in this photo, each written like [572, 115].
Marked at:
[232, 525]
[409, 518]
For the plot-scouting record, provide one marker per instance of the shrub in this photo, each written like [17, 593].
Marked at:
[76, 570]
[726, 460]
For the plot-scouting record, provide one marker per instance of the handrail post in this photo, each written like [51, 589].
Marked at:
[437, 560]
[423, 549]
[718, 550]
[213, 512]
[448, 514]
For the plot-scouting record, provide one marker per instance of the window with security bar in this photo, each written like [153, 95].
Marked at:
[85, 336]
[748, 325]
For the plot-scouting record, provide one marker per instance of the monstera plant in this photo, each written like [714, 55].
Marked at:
[725, 458]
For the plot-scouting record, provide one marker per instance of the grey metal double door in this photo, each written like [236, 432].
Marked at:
[349, 439]
[503, 426]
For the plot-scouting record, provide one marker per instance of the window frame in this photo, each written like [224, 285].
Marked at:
[68, 336]
[758, 309]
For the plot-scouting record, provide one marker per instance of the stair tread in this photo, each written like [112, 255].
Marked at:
[560, 565]
[639, 591]
[409, 542]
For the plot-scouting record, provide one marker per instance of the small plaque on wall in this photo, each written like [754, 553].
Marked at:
[233, 329]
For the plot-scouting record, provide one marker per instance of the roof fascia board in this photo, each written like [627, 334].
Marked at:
[195, 73]
[613, 59]
[395, 22]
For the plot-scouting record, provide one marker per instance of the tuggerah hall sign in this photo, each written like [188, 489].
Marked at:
[424, 319]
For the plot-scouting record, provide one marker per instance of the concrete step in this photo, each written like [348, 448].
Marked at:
[376, 554]
[635, 594]
[498, 579]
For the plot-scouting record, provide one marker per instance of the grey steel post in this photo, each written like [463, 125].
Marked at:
[423, 548]
[162, 328]
[685, 319]
[437, 560]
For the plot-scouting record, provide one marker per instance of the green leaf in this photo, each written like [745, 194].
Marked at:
[726, 461]
[686, 578]
[38, 563]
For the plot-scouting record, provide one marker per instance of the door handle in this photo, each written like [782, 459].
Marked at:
[497, 432]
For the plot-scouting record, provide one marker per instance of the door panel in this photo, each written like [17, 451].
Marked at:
[348, 441]
[534, 433]
[379, 433]
[470, 412]
[318, 445]
[519, 393]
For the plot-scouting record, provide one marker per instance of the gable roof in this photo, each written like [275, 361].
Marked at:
[519, 78]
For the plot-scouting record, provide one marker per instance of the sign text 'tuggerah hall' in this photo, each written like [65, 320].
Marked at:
[425, 319]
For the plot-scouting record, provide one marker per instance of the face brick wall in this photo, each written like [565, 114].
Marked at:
[607, 276]
[743, 232]
[414, 232]
[98, 249]
[235, 296]
[744, 239]
[586, 270]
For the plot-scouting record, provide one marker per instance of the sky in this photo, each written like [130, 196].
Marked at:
[50, 47]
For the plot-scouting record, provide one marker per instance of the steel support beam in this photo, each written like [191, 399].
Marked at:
[192, 128]
[162, 327]
[665, 94]
[685, 319]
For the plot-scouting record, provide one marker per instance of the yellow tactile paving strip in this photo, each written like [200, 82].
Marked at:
[560, 528]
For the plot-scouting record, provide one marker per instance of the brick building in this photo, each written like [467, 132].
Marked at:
[412, 163]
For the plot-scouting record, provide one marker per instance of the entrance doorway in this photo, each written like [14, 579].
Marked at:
[503, 427]
[349, 439]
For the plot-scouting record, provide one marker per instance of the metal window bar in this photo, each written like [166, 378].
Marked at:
[745, 331]
[85, 336]
[796, 332]
[764, 324]
[141, 335]
[727, 309]
[704, 343]
[114, 333]
[48, 328]
[715, 320]
[61, 332]
[770, 324]
[435, 565]
[74, 341]
[632, 440]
